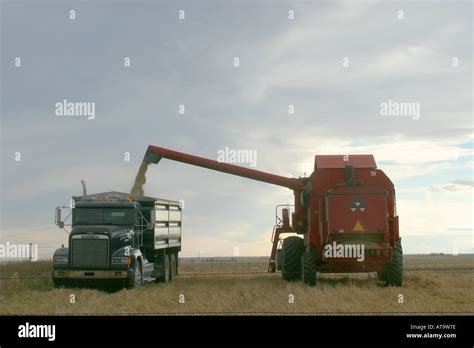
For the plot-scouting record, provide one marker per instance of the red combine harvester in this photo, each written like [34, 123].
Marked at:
[345, 211]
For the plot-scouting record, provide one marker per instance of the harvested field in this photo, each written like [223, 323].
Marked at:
[432, 285]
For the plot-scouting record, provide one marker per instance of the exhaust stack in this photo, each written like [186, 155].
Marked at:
[84, 189]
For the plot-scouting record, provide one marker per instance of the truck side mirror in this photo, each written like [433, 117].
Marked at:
[57, 218]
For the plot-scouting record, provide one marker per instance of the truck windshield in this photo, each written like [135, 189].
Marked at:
[103, 216]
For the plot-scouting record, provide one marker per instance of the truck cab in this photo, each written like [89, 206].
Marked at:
[120, 238]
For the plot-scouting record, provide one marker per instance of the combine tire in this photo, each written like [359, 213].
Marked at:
[394, 274]
[292, 250]
[382, 276]
[308, 269]
[279, 259]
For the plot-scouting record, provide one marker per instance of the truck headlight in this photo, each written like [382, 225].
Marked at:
[125, 260]
[60, 260]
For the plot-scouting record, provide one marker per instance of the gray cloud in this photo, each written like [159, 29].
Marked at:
[190, 62]
[456, 185]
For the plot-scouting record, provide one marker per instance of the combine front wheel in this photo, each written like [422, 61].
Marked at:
[308, 269]
[292, 250]
[394, 274]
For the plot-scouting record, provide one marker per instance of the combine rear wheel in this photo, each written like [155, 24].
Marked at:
[308, 269]
[279, 259]
[394, 274]
[382, 276]
[292, 250]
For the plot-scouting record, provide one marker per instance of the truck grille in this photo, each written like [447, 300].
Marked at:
[90, 252]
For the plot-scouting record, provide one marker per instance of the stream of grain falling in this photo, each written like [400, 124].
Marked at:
[140, 180]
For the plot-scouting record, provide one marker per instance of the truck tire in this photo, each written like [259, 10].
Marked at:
[136, 278]
[57, 283]
[292, 249]
[177, 263]
[172, 266]
[165, 278]
[308, 269]
[394, 274]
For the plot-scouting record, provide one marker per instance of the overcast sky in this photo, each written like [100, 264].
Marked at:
[404, 56]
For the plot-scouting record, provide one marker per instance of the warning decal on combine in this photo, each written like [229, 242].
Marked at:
[357, 210]
[358, 227]
[358, 203]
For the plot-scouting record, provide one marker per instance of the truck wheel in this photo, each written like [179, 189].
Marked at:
[292, 249]
[172, 266]
[136, 278]
[177, 262]
[57, 283]
[165, 278]
[308, 269]
[394, 274]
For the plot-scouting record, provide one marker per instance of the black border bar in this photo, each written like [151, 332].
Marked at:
[347, 330]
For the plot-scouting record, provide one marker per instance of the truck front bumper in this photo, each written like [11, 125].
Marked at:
[90, 274]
